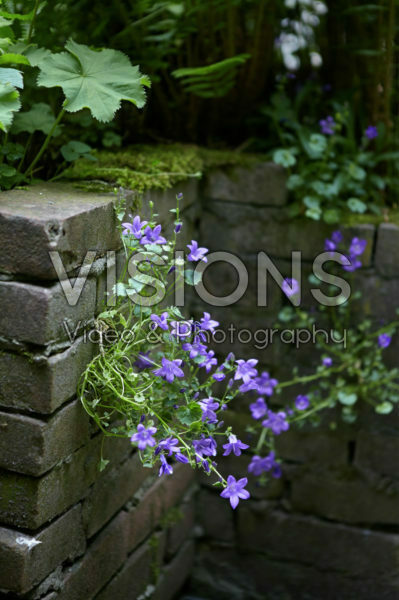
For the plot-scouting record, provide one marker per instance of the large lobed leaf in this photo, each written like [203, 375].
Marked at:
[9, 104]
[98, 81]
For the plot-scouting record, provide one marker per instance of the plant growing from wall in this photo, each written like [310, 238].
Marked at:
[350, 374]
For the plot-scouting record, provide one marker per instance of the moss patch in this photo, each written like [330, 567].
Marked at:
[145, 167]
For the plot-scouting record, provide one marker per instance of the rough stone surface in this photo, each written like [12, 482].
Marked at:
[387, 250]
[262, 184]
[32, 446]
[53, 217]
[348, 551]
[378, 452]
[175, 573]
[102, 502]
[29, 502]
[27, 559]
[39, 384]
[45, 311]
[345, 496]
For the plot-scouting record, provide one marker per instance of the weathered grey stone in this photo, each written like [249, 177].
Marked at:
[327, 546]
[378, 452]
[39, 384]
[216, 517]
[387, 250]
[133, 579]
[323, 447]
[180, 522]
[103, 558]
[175, 573]
[32, 446]
[376, 293]
[27, 559]
[39, 315]
[156, 502]
[102, 502]
[248, 229]
[343, 495]
[30, 502]
[53, 217]
[263, 183]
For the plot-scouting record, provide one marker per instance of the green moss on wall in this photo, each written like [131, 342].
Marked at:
[145, 167]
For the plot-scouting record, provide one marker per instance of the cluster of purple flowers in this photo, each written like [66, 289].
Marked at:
[327, 125]
[259, 465]
[356, 249]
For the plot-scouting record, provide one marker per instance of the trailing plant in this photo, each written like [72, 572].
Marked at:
[332, 173]
[94, 79]
[154, 378]
[350, 374]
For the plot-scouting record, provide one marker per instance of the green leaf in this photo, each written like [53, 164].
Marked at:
[384, 408]
[38, 118]
[7, 171]
[189, 414]
[18, 59]
[98, 81]
[9, 104]
[285, 158]
[192, 277]
[119, 289]
[316, 145]
[331, 216]
[12, 76]
[103, 464]
[356, 172]
[347, 399]
[75, 149]
[294, 181]
[356, 205]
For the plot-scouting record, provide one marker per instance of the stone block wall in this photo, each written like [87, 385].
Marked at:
[330, 527]
[67, 530]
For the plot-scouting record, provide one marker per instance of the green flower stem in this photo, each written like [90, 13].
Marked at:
[45, 144]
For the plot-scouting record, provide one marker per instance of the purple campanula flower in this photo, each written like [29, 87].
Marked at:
[235, 491]
[265, 384]
[337, 236]
[181, 458]
[327, 125]
[178, 227]
[230, 357]
[153, 236]
[179, 196]
[329, 245]
[134, 228]
[258, 408]
[234, 445]
[246, 369]
[276, 422]
[166, 468]
[219, 375]
[160, 321]
[355, 264]
[208, 407]
[181, 329]
[302, 402]
[357, 246]
[195, 349]
[259, 465]
[204, 447]
[168, 445]
[144, 437]
[384, 340]
[327, 361]
[290, 287]
[207, 323]
[170, 369]
[371, 132]
[248, 387]
[209, 361]
[143, 362]
[196, 253]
